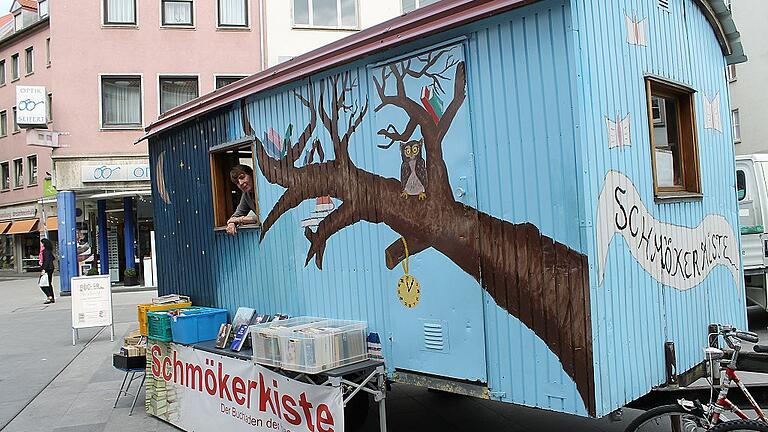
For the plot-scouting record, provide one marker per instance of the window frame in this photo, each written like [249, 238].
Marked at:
[2, 73]
[311, 24]
[245, 26]
[186, 26]
[217, 76]
[17, 184]
[736, 125]
[30, 183]
[29, 61]
[40, 10]
[730, 73]
[418, 6]
[105, 127]
[687, 137]
[3, 123]
[48, 52]
[16, 128]
[221, 208]
[7, 165]
[15, 68]
[746, 186]
[105, 14]
[161, 77]
[49, 107]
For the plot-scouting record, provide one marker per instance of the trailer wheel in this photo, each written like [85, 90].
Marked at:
[741, 425]
[356, 411]
[668, 418]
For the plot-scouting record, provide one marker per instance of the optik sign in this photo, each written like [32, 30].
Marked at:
[30, 105]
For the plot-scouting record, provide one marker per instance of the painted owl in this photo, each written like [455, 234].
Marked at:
[413, 170]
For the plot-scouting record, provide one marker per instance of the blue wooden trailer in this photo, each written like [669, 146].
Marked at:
[526, 200]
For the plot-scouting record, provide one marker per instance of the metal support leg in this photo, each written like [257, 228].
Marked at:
[138, 390]
[382, 403]
[119, 393]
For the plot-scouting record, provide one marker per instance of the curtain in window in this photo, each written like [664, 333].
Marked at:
[121, 12]
[121, 101]
[232, 12]
[178, 12]
[18, 173]
[324, 13]
[301, 12]
[349, 13]
[174, 92]
[42, 7]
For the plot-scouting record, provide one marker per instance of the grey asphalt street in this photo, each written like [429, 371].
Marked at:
[46, 384]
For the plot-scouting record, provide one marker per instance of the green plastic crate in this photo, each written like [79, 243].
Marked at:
[159, 324]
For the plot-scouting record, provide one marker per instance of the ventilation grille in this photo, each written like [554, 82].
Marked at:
[664, 4]
[434, 336]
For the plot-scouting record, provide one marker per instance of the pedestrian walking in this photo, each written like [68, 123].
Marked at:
[46, 262]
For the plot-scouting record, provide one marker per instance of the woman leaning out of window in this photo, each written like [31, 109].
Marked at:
[242, 176]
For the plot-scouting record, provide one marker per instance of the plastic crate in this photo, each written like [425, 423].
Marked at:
[323, 345]
[265, 338]
[159, 326]
[197, 324]
[149, 307]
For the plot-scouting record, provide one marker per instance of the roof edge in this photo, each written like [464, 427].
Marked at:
[721, 20]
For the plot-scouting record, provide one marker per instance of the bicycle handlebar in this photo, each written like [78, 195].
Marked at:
[746, 336]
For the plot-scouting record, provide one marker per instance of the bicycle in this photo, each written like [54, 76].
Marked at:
[693, 416]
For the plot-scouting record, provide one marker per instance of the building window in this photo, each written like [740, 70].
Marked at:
[18, 173]
[49, 107]
[3, 123]
[14, 67]
[325, 13]
[15, 122]
[410, 5]
[736, 120]
[222, 81]
[42, 8]
[177, 13]
[48, 51]
[233, 13]
[731, 73]
[29, 60]
[226, 194]
[18, 21]
[119, 12]
[674, 150]
[741, 185]
[32, 170]
[175, 91]
[121, 102]
[5, 176]
[2, 72]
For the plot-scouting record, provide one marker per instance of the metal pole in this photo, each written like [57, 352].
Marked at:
[103, 244]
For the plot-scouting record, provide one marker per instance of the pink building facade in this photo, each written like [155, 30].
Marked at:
[111, 67]
[23, 62]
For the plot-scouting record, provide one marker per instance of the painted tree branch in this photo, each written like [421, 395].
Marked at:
[339, 219]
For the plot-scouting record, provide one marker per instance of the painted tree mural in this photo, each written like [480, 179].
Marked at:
[541, 282]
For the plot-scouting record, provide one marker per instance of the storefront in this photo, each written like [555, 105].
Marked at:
[105, 217]
[20, 238]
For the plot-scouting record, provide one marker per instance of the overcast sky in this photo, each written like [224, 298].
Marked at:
[5, 6]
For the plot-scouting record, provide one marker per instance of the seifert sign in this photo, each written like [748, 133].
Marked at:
[31, 105]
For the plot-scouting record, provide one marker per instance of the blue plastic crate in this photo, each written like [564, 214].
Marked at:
[197, 325]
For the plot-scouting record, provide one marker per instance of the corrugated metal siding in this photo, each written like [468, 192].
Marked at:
[629, 358]
[522, 97]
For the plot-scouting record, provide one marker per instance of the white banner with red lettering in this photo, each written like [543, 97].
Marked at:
[200, 391]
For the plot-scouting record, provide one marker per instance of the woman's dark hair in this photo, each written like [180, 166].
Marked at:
[47, 243]
[236, 170]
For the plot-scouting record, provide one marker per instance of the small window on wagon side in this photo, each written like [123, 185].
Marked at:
[674, 147]
[232, 175]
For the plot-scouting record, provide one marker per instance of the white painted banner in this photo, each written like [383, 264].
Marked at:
[676, 256]
[91, 301]
[200, 391]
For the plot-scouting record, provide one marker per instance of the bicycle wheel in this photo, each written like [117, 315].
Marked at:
[668, 418]
[741, 425]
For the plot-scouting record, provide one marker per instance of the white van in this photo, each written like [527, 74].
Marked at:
[752, 193]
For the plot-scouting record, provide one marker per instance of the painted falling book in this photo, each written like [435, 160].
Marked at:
[323, 207]
[432, 103]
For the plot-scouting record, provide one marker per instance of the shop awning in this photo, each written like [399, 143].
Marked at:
[23, 226]
[4, 226]
[52, 223]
